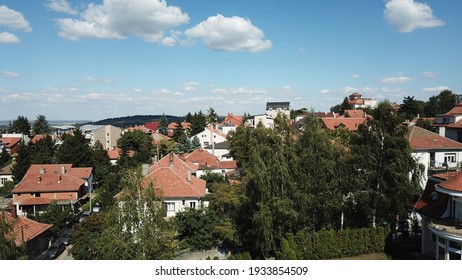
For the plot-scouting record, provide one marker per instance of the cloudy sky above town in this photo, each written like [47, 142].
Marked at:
[89, 59]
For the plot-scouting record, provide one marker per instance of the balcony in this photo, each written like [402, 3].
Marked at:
[448, 226]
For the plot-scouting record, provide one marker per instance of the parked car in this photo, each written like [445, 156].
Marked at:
[96, 207]
[65, 235]
[56, 249]
[84, 215]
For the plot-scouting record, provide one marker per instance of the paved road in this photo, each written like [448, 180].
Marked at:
[66, 255]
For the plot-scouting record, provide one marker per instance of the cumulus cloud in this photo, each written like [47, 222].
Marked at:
[8, 38]
[221, 33]
[435, 89]
[8, 74]
[408, 15]
[355, 76]
[61, 6]
[13, 19]
[119, 19]
[91, 79]
[325, 91]
[429, 74]
[396, 80]
[190, 86]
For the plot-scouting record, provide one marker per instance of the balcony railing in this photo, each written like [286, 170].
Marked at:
[450, 226]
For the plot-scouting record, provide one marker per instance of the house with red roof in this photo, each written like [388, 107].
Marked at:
[174, 180]
[153, 126]
[210, 136]
[28, 232]
[356, 101]
[230, 123]
[32, 234]
[440, 207]
[450, 124]
[171, 127]
[44, 184]
[11, 144]
[207, 162]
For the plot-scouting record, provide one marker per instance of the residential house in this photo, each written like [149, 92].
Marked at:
[142, 128]
[220, 150]
[153, 126]
[450, 124]
[44, 184]
[230, 123]
[55, 137]
[352, 124]
[433, 151]
[272, 111]
[32, 234]
[171, 128]
[6, 174]
[11, 142]
[207, 162]
[440, 207]
[107, 136]
[89, 131]
[174, 180]
[210, 136]
[356, 101]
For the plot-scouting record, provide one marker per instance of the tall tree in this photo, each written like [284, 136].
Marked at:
[21, 125]
[411, 108]
[138, 142]
[8, 248]
[22, 162]
[41, 125]
[42, 152]
[441, 103]
[198, 123]
[163, 123]
[74, 150]
[100, 162]
[212, 116]
[178, 132]
[4, 157]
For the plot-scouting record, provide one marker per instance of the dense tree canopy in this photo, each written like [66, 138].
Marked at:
[74, 150]
[21, 125]
[41, 125]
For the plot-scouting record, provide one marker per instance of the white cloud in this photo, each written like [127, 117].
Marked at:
[138, 90]
[91, 79]
[191, 86]
[221, 33]
[429, 74]
[435, 89]
[325, 91]
[219, 91]
[247, 90]
[8, 74]
[355, 76]
[408, 15]
[61, 6]
[119, 19]
[396, 80]
[13, 19]
[168, 41]
[8, 38]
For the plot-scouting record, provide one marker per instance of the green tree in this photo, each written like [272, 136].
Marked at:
[4, 157]
[8, 248]
[74, 150]
[56, 216]
[178, 132]
[212, 116]
[411, 108]
[382, 159]
[196, 227]
[22, 162]
[195, 143]
[163, 124]
[342, 107]
[41, 125]
[100, 162]
[198, 123]
[441, 103]
[138, 142]
[21, 125]
[42, 152]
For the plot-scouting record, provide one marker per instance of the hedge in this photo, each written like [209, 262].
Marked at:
[330, 244]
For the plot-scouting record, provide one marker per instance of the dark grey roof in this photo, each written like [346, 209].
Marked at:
[275, 105]
[222, 145]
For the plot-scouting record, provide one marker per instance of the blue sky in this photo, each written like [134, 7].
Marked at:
[71, 59]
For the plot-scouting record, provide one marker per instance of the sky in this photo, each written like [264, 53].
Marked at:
[90, 60]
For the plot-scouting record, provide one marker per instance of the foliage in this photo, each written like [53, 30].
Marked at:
[163, 123]
[212, 178]
[164, 147]
[178, 131]
[196, 227]
[22, 162]
[198, 123]
[8, 187]
[411, 108]
[212, 116]
[41, 125]
[340, 108]
[8, 248]
[132, 229]
[74, 150]
[425, 123]
[184, 145]
[21, 125]
[100, 162]
[138, 142]
[441, 103]
[42, 152]
[56, 216]
[4, 157]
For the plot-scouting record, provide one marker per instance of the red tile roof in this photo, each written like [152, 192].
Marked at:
[36, 201]
[453, 183]
[351, 124]
[354, 113]
[172, 178]
[420, 138]
[235, 120]
[185, 125]
[140, 128]
[42, 183]
[152, 125]
[157, 137]
[202, 157]
[429, 207]
[10, 141]
[24, 227]
[457, 110]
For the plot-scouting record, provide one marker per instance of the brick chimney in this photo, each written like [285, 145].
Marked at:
[63, 170]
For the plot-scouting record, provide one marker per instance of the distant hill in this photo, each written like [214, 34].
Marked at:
[127, 121]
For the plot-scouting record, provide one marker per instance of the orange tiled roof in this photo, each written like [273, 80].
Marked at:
[170, 177]
[49, 183]
[140, 128]
[235, 120]
[23, 226]
[457, 110]
[185, 125]
[202, 157]
[453, 183]
[36, 201]
[351, 124]
[355, 113]
[356, 101]
[114, 153]
[420, 138]
[429, 207]
[10, 141]
[152, 125]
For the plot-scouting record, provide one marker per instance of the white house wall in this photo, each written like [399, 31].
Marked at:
[181, 205]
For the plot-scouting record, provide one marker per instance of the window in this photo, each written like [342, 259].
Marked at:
[445, 120]
[192, 204]
[184, 202]
[170, 206]
[449, 157]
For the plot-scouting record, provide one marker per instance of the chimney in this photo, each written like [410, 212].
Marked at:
[63, 170]
[189, 175]
[42, 170]
[39, 179]
[59, 178]
[14, 211]
[171, 160]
